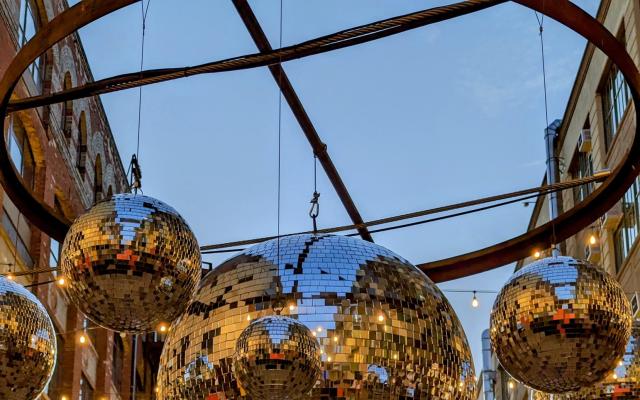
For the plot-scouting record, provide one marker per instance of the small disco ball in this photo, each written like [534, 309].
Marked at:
[131, 263]
[27, 343]
[560, 324]
[277, 358]
[385, 330]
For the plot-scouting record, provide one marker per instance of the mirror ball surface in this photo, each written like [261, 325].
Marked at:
[277, 358]
[131, 263]
[27, 343]
[385, 330]
[560, 324]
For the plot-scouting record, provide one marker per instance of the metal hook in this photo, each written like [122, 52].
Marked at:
[315, 209]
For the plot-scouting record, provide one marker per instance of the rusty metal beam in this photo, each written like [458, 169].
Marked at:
[566, 225]
[310, 132]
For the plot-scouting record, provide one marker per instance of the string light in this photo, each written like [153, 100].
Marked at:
[249, 317]
[592, 239]
[511, 384]
[537, 254]
[292, 307]
[162, 327]
[61, 281]
[475, 303]
[82, 339]
[380, 317]
[10, 277]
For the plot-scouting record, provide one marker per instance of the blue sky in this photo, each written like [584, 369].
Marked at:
[436, 115]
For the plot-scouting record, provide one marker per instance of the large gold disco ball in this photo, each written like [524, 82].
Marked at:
[385, 330]
[131, 263]
[27, 343]
[560, 324]
[277, 358]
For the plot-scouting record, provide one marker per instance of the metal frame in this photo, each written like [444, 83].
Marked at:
[566, 225]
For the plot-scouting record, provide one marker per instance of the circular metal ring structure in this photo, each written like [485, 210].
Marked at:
[566, 225]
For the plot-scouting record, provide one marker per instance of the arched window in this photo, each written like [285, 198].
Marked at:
[27, 28]
[67, 108]
[97, 185]
[20, 151]
[82, 143]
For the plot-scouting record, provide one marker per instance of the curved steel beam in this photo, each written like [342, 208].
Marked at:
[323, 44]
[599, 202]
[565, 225]
[37, 212]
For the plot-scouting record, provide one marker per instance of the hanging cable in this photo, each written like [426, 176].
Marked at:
[537, 191]
[540, 20]
[277, 305]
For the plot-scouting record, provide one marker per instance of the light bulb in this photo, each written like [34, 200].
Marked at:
[537, 254]
[475, 303]
[162, 328]
[61, 281]
[319, 329]
[328, 359]
[249, 317]
[292, 307]
[335, 338]
[592, 239]
[82, 339]
[381, 317]
[511, 385]
[11, 277]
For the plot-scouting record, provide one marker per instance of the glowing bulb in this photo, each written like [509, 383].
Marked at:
[82, 339]
[620, 363]
[329, 359]
[537, 254]
[314, 334]
[319, 329]
[614, 376]
[511, 385]
[335, 338]
[162, 328]
[321, 351]
[64, 398]
[381, 317]
[61, 281]
[11, 277]
[249, 317]
[395, 356]
[157, 389]
[292, 307]
[592, 239]
[475, 303]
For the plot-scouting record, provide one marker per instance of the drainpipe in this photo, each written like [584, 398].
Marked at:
[488, 374]
[553, 174]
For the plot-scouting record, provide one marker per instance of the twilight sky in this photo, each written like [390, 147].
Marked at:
[441, 114]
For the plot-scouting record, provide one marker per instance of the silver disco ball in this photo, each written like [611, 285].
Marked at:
[560, 324]
[385, 330]
[27, 343]
[277, 358]
[131, 263]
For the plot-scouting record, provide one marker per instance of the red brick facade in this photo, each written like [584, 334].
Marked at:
[67, 141]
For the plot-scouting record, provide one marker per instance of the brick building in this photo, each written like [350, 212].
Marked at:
[593, 135]
[67, 155]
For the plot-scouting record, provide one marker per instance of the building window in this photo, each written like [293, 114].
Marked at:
[82, 144]
[582, 168]
[27, 25]
[67, 108]
[27, 28]
[625, 235]
[616, 98]
[97, 185]
[20, 152]
[86, 391]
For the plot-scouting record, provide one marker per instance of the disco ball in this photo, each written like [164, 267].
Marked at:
[385, 330]
[560, 324]
[131, 263]
[277, 358]
[27, 343]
